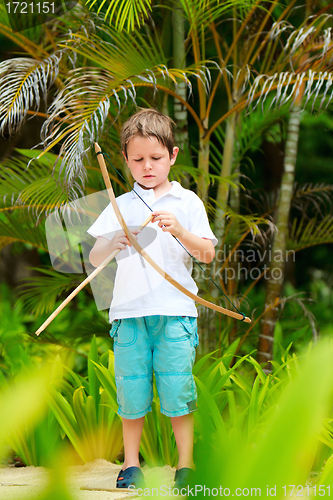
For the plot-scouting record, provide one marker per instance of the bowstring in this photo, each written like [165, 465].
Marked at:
[106, 156]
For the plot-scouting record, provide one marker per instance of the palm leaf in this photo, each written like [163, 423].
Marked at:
[15, 228]
[22, 83]
[70, 330]
[317, 196]
[40, 293]
[201, 13]
[35, 188]
[288, 85]
[124, 14]
[305, 60]
[22, 39]
[313, 232]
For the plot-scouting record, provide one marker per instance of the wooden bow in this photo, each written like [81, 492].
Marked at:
[140, 250]
[144, 254]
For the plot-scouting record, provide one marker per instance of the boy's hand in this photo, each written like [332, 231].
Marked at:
[103, 247]
[168, 222]
[201, 248]
[121, 241]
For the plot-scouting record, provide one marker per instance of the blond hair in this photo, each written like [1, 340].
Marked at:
[148, 123]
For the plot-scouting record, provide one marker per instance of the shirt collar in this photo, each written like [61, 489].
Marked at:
[176, 190]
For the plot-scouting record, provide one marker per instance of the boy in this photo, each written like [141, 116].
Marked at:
[154, 329]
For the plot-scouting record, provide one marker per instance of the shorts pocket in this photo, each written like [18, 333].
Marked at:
[182, 328]
[190, 325]
[126, 333]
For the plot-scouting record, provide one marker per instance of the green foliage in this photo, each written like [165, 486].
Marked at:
[240, 400]
[316, 231]
[33, 187]
[322, 296]
[327, 474]
[23, 414]
[85, 412]
[30, 444]
[40, 293]
[296, 327]
[11, 330]
[236, 403]
[251, 128]
[130, 13]
[283, 448]
[245, 416]
[68, 333]
[315, 148]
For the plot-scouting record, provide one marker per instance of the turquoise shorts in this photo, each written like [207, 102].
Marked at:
[164, 345]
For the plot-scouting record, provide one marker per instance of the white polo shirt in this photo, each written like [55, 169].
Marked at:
[139, 290]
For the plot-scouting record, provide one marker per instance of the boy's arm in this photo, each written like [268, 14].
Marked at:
[201, 248]
[104, 247]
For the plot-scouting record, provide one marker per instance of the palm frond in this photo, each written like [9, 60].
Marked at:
[124, 14]
[35, 188]
[239, 225]
[304, 64]
[312, 37]
[14, 228]
[287, 87]
[305, 234]
[70, 329]
[40, 293]
[23, 82]
[297, 303]
[201, 13]
[75, 117]
[259, 201]
[180, 172]
[318, 196]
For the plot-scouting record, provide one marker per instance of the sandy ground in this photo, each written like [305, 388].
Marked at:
[32, 482]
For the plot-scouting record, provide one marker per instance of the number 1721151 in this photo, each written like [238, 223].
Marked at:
[30, 8]
[306, 491]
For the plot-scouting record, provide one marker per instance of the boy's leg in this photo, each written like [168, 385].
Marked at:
[134, 378]
[183, 428]
[132, 430]
[173, 359]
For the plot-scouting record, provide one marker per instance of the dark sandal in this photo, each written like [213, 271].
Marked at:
[132, 476]
[184, 477]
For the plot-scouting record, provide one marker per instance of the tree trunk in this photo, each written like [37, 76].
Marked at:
[209, 335]
[278, 251]
[226, 169]
[278, 260]
[203, 166]
[235, 264]
[179, 61]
